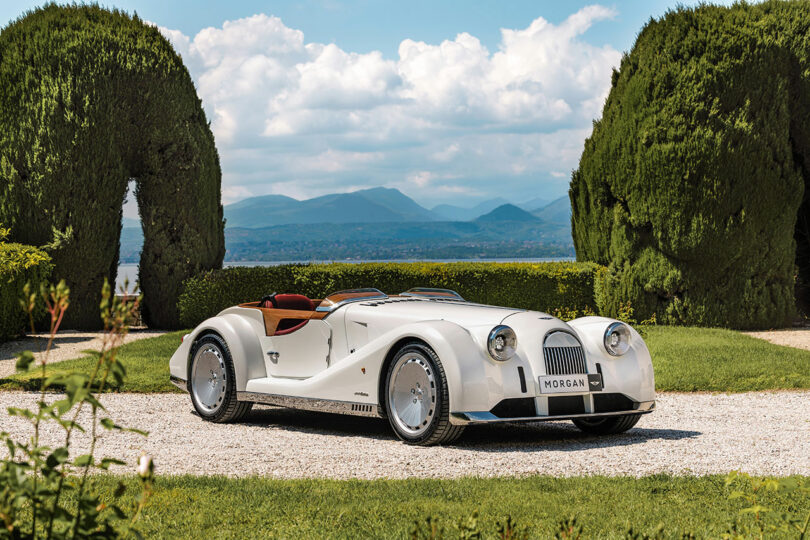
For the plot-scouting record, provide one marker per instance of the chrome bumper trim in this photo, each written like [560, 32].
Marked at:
[179, 383]
[313, 404]
[486, 417]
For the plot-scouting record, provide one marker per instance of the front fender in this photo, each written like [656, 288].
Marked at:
[473, 381]
[240, 334]
[631, 373]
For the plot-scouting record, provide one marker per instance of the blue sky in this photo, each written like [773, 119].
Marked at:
[448, 101]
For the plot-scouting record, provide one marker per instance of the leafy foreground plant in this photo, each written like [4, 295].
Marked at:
[764, 521]
[754, 520]
[37, 478]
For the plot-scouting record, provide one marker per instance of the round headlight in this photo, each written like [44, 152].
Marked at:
[617, 339]
[502, 343]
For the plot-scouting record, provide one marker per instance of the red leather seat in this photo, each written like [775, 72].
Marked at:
[288, 301]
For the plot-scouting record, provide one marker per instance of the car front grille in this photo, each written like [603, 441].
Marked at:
[563, 354]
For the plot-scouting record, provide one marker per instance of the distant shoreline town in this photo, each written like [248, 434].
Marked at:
[384, 224]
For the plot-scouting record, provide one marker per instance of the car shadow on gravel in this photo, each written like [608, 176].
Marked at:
[494, 438]
[557, 436]
[318, 422]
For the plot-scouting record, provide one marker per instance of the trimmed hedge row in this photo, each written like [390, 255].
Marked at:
[18, 264]
[538, 286]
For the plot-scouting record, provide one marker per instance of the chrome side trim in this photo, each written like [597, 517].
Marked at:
[486, 417]
[313, 404]
[332, 307]
[179, 383]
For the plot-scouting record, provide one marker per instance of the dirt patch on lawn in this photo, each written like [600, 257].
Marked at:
[67, 345]
[790, 337]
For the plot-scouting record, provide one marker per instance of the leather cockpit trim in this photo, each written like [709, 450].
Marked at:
[273, 316]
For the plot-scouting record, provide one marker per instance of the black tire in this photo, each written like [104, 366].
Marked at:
[609, 425]
[439, 430]
[229, 410]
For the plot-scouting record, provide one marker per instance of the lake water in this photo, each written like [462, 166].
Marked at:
[130, 271]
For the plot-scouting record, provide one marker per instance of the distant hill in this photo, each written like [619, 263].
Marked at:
[381, 241]
[453, 213]
[450, 212]
[534, 204]
[412, 240]
[508, 212]
[557, 211]
[381, 224]
[376, 205]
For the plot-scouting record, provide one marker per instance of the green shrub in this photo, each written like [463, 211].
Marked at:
[539, 286]
[90, 99]
[689, 187]
[19, 264]
[46, 490]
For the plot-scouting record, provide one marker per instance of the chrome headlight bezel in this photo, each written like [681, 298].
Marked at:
[617, 339]
[502, 343]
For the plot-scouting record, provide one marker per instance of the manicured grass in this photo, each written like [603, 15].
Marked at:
[146, 362]
[212, 507]
[710, 359]
[685, 360]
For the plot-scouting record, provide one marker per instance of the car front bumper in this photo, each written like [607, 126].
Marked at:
[488, 417]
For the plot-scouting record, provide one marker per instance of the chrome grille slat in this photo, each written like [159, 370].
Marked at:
[563, 359]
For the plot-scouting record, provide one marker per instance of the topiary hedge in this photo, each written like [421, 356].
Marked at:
[92, 98]
[690, 186]
[19, 264]
[539, 286]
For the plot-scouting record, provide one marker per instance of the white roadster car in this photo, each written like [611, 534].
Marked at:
[425, 359]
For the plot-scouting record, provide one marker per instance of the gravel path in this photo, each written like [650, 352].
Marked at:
[792, 337]
[67, 345]
[761, 433]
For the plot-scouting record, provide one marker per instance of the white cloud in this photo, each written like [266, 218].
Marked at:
[442, 120]
[421, 178]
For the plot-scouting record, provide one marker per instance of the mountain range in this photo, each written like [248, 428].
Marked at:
[381, 224]
[378, 205]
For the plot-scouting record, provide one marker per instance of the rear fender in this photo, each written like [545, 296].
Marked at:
[240, 335]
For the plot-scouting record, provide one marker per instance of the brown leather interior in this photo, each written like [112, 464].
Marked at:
[285, 321]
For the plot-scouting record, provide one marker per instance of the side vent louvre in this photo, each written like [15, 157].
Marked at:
[362, 408]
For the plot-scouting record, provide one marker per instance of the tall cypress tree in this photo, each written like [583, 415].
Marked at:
[91, 99]
[690, 185]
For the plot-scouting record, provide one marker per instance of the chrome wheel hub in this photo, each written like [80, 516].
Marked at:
[208, 379]
[412, 394]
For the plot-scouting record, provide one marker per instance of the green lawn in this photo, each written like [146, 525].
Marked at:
[710, 359]
[146, 362]
[212, 507]
[685, 360]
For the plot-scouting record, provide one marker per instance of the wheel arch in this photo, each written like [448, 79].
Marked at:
[243, 344]
[200, 335]
[461, 358]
